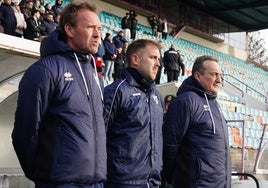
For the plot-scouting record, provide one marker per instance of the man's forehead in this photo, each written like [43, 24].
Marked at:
[209, 64]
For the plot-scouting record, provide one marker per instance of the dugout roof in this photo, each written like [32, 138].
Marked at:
[247, 15]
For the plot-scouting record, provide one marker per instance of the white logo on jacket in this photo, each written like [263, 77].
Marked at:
[155, 99]
[68, 76]
[206, 107]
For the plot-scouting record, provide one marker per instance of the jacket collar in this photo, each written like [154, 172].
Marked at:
[136, 79]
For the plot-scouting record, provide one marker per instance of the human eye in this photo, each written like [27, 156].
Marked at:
[154, 57]
[95, 27]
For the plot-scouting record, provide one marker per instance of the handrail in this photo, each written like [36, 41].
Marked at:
[250, 175]
[247, 86]
[233, 85]
[2, 82]
[10, 77]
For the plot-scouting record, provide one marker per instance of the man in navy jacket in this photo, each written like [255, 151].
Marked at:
[7, 18]
[196, 149]
[59, 133]
[133, 114]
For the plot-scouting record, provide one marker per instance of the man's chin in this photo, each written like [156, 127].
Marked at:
[215, 92]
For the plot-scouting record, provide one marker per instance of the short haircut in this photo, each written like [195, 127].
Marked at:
[68, 15]
[137, 45]
[34, 11]
[198, 63]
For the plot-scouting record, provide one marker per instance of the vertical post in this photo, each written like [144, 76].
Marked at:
[243, 147]
[259, 148]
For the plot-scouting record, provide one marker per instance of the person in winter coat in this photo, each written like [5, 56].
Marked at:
[7, 18]
[109, 57]
[126, 26]
[119, 39]
[99, 58]
[49, 23]
[35, 29]
[57, 7]
[59, 132]
[133, 115]
[133, 26]
[173, 64]
[196, 149]
[119, 63]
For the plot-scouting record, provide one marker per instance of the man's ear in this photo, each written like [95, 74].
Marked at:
[197, 75]
[69, 30]
[134, 60]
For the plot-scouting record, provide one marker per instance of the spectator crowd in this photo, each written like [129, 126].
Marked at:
[30, 19]
[36, 19]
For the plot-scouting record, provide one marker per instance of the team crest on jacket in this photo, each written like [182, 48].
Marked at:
[206, 107]
[68, 76]
[155, 99]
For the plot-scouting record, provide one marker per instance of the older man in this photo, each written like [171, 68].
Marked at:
[196, 148]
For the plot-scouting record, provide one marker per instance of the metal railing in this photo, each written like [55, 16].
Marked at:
[248, 175]
[248, 88]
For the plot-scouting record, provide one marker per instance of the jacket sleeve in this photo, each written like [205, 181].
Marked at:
[111, 107]
[176, 124]
[33, 99]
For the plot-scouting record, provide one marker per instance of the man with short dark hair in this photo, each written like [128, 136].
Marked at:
[133, 114]
[173, 64]
[26, 9]
[35, 29]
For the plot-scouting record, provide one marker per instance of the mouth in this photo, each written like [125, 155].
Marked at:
[95, 44]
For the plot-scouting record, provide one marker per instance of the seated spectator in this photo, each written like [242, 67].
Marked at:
[7, 18]
[34, 28]
[49, 23]
[21, 23]
[27, 8]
